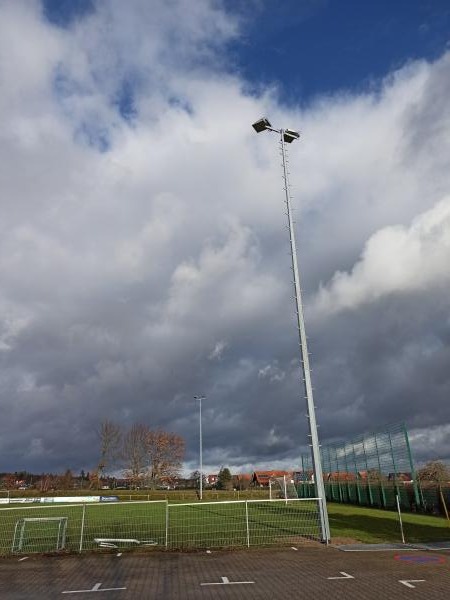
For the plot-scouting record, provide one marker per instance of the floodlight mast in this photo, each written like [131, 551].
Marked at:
[287, 136]
[200, 398]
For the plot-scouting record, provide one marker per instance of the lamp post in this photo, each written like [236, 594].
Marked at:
[287, 136]
[200, 398]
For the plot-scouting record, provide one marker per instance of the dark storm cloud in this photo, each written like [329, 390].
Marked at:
[135, 278]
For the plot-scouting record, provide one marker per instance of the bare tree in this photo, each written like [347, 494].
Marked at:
[110, 435]
[135, 452]
[165, 452]
[434, 471]
[65, 482]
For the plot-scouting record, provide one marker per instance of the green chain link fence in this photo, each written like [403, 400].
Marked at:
[371, 470]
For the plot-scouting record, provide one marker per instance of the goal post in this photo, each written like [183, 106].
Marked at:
[284, 487]
[40, 534]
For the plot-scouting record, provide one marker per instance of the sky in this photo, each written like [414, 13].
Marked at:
[144, 257]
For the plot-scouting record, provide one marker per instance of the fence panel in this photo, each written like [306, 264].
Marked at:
[30, 529]
[207, 525]
[280, 522]
[368, 470]
[124, 525]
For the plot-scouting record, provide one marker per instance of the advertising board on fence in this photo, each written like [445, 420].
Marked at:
[59, 499]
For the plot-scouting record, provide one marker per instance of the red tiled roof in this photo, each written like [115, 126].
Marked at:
[341, 476]
[265, 476]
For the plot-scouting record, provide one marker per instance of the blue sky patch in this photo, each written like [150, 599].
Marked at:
[64, 12]
[94, 135]
[125, 100]
[321, 46]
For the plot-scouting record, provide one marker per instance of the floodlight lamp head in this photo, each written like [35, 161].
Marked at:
[261, 125]
[289, 135]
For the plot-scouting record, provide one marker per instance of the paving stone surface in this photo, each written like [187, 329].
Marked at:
[308, 572]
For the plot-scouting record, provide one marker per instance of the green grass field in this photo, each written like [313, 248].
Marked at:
[372, 525]
[203, 525]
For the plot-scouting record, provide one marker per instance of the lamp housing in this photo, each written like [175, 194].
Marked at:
[261, 125]
[289, 135]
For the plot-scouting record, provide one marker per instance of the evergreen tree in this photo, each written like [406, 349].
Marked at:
[224, 481]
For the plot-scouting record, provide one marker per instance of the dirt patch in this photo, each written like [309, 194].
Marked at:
[341, 541]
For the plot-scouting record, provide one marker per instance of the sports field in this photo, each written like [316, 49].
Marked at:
[158, 525]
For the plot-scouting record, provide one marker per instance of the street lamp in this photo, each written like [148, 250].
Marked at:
[287, 136]
[200, 398]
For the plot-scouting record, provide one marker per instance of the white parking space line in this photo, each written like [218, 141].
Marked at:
[96, 588]
[344, 575]
[226, 581]
[409, 582]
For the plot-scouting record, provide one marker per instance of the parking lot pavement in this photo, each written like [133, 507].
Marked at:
[263, 574]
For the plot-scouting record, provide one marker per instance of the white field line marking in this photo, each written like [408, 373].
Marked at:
[96, 588]
[345, 576]
[24, 558]
[294, 548]
[226, 581]
[409, 582]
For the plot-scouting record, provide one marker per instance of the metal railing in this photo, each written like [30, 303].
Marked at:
[158, 524]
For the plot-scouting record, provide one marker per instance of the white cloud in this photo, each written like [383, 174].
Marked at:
[271, 372]
[396, 259]
[217, 352]
[431, 443]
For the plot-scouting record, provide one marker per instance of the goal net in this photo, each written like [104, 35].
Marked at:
[41, 534]
[283, 487]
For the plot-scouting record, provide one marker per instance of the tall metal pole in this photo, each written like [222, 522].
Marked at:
[201, 453]
[200, 398]
[317, 464]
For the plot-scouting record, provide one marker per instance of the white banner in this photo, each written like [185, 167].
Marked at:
[52, 500]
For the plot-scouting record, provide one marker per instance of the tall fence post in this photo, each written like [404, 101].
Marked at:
[396, 486]
[358, 491]
[167, 523]
[400, 518]
[83, 517]
[246, 521]
[381, 486]
[413, 472]
[366, 464]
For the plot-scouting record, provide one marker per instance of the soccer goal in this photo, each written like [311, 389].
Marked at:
[283, 487]
[41, 534]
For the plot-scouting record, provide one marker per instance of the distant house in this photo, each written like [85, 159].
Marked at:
[405, 477]
[211, 480]
[186, 483]
[303, 476]
[242, 481]
[340, 476]
[262, 478]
